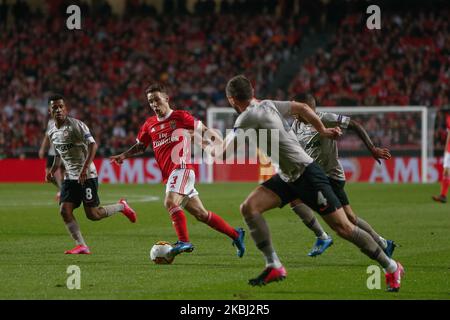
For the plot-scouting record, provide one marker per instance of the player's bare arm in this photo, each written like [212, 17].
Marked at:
[136, 149]
[303, 111]
[92, 150]
[44, 147]
[223, 146]
[200, 136]
[214, 138]
[56, 164]
[377, 153]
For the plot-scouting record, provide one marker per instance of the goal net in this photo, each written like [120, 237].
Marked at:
[406, 130]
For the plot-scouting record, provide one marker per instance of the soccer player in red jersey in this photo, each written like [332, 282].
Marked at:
[167, 133]
[445, 183]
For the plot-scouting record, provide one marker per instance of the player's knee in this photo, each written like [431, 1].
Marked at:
[169, 204]
[351, 217]
[243, 208]
[65, 213]
[247, 208]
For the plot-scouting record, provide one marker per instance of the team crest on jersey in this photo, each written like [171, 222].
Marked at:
[65, 133]
[173, 124]
[152, 129]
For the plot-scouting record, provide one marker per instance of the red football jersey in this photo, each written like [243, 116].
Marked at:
[447, 148]
[165, 141]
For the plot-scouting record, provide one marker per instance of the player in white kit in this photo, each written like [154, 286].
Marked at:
[76, 148]
[298, 177]
[325, 152]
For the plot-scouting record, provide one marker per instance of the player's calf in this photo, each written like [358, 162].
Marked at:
[200, 214]
[94, 214]
[344, 230]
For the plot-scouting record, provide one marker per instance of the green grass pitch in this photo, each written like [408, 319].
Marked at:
[33, 239]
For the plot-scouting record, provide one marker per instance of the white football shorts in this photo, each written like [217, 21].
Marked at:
[182, 181]
[446, 163]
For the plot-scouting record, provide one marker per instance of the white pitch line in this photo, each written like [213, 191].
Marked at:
[49, 203]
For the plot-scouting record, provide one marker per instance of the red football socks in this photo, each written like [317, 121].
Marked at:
[216, 222]
[179, 223]
[444, 186]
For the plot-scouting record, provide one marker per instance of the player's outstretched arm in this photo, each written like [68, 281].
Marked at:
[211, 142]
[136, 149]
[206, 138]
[218, 147]
[56, 164]
[302, 110]
[377, 153]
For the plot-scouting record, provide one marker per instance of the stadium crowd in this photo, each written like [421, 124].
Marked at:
[407, 62]
[104, 68]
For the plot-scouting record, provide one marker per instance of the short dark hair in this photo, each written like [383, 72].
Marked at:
[156, 87]
[239, 87]
[54, 97]
[305, 97]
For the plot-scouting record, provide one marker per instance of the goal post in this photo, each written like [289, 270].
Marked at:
[219, 118]
[421, 111]
[405, 130]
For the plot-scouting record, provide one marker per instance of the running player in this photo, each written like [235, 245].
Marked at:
[47, 146]
[76, 148]
[165, 131]
[445, 183]
[324, 151]
[298, 177]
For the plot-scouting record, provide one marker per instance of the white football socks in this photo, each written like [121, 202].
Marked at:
[112, 209]
[392, 267]
[74, 231]
[259, 230]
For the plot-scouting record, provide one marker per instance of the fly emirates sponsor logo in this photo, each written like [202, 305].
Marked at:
[165, 140]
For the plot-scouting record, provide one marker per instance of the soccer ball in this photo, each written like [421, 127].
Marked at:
[160, 253]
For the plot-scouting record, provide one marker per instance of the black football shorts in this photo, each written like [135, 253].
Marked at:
[73, 192]
[313, 188]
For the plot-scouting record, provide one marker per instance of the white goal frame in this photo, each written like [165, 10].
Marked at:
[349, 110]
